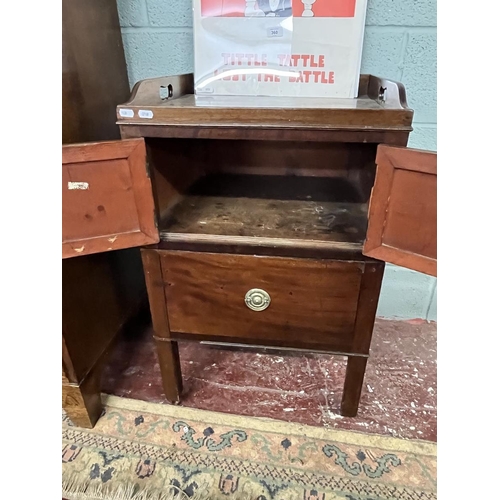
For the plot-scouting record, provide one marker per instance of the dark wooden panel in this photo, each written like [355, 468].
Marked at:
[402, 226]
[175, 165]
[278, 187]
[94, 73]
[68, 370]
[398, 137]
[303, 158]
[112, 208]
[100, 292]
[311, 301]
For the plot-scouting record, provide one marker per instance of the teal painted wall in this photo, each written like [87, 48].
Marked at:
[400, 43]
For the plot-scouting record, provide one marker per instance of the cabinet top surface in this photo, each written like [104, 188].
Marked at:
[265, 102]
[170, 101]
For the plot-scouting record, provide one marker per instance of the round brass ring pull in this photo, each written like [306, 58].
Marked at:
[257, 299]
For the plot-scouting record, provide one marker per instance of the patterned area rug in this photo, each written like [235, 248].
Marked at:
[144, 451]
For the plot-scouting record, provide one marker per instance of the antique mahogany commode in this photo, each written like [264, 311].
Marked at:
[254, 215]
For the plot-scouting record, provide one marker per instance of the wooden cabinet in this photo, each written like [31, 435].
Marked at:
[100, 291]
[274, 217]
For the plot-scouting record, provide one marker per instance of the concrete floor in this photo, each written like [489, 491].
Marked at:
[399, 396]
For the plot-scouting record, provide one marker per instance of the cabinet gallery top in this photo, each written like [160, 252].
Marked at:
[169, 101]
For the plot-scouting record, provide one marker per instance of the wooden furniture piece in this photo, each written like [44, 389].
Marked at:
[100, 291]
[262, 208]
[404, 196]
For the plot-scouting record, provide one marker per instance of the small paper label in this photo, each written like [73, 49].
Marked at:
[145, 113]
[275, 32]
[206, 90]
[78, 185]
[126, 113]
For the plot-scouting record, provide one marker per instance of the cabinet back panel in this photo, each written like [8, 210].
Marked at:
[178, 163]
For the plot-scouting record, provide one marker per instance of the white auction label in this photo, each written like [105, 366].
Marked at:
[126, 113]
[145, 113]
[78, 185]
[274, 32]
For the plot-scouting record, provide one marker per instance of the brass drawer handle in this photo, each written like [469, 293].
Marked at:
[257, 299]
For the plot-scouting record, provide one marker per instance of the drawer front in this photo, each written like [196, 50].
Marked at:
[107, 199]
[312, 302]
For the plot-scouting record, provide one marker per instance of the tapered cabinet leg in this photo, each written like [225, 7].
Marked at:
[170, 366]
[353, 385]
[168, 350]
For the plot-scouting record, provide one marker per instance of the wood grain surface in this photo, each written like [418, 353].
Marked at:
[311, 301]
[402, 225]
[107, 198]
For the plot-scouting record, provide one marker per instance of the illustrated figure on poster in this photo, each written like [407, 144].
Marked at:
[308, 8]
[273, 8]
[278, 8]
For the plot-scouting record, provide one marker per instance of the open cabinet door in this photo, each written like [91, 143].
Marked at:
[107, 198]
[402, 218]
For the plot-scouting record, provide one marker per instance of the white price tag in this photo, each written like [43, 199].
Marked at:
[78, 185]
[126, 113]
[145, 113]
[275, 32]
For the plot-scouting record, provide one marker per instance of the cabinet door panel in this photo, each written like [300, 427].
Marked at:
[402, 219]
[107, 199]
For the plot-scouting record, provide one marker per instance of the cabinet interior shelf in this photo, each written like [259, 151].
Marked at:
[279, 210]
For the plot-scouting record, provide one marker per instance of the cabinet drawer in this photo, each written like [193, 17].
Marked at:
[312, 302]
[107, 200]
